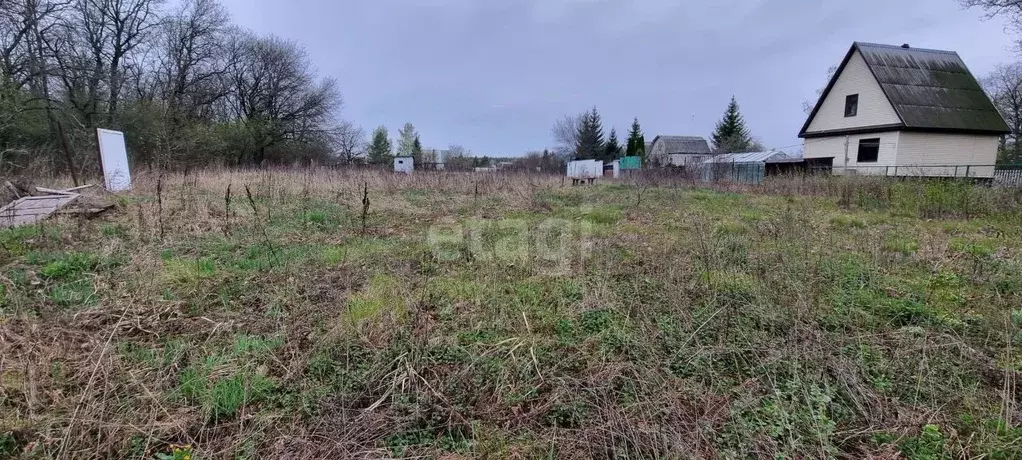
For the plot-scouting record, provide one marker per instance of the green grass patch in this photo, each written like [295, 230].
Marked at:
[930, 444]
[69, 265]
[382, 295]
[223, 383]
[187, 272]
[846, 221]
[371, 251]
[18, 241]
[74, 294]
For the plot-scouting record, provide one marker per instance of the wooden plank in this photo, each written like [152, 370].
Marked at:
[80, 187]
[54, 191]
[32, 209]
[12, 188]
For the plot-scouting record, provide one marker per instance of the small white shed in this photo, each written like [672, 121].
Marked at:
[404, 165]
[585, 170]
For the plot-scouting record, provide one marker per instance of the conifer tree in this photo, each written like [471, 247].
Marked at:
[379, 148]
[589, 143]
[636, 141]
[731, 134]
[612, 149]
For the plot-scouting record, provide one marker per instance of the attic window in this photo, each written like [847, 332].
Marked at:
[869, 151]
[851, 105]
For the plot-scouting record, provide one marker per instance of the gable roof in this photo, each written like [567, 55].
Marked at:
[684, 144]
[930, 90]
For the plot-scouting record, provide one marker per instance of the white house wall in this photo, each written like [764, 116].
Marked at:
[960, 152]
[835, 147]
[874, 108]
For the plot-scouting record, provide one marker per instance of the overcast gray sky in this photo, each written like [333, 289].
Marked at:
[494, 75]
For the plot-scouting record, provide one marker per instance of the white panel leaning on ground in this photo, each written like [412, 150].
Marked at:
[114, 155]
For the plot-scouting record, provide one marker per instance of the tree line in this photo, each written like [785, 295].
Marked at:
[186, 85]
[581, 137]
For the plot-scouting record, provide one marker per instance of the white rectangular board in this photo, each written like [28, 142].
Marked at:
[585, 169]
[114, 156]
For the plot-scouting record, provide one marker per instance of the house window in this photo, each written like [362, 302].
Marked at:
[869, 151]
[851, 105]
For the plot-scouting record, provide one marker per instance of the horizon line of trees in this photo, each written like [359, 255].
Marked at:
[581, 137]
[186, 86]
[190, 88]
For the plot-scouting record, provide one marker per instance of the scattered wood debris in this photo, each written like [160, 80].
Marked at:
[27, 210]
[70, 191]
[31, 209]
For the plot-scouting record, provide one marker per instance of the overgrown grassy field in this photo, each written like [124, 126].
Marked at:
[493, 316]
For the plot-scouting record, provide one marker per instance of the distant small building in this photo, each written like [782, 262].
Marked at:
[585, 170]
[434, 159]
[628, 163]
[903, 111]
[404, 165]
[749, 167]
[612, 169]
[678, 150]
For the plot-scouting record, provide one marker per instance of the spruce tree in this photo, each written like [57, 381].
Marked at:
[379, 148]
[641, 146]
[406, 140]
[417, 150]
[731, 134]
[636, 141]
[589, 143]
[612, 150]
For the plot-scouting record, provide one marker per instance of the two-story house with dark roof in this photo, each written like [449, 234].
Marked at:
[903, 111]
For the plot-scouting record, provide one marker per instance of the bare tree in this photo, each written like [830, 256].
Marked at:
[95, 44]
[186, 87]
[565, 132]
[14, 34]
[1011, 10]
[277, 95]
[458, 158]
[1004, 85]
[22, 24]
[24, 27]
[191, 45]
[80, 55]
[809, 105]
[350, 142]
[128, 24]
